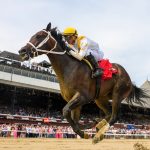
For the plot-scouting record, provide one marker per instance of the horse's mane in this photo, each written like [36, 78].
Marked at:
[59, 38]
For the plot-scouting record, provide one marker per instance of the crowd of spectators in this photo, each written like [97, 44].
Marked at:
[49, 131]
[27, 65]
[36, 131]
[129, 129]
[52, 115]
[41, 112]
[36, 67]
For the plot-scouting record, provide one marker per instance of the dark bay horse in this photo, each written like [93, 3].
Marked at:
[77, 86]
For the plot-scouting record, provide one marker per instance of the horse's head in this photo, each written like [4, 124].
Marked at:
[43, 42]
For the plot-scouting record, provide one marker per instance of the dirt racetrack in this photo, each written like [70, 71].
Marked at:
[69, 144]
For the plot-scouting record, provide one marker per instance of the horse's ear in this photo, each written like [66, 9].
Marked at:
[48, 27]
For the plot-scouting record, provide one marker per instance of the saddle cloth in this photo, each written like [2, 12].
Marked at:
[108, 70]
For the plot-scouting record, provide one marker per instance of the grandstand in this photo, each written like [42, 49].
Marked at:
[30, 94]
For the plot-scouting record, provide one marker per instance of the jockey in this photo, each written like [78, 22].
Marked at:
[84, 47]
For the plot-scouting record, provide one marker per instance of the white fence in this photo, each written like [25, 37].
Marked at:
[61, 134]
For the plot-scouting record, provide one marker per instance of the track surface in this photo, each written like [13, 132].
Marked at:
[68, 144]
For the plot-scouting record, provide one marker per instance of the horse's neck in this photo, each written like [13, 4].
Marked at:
[62, 65]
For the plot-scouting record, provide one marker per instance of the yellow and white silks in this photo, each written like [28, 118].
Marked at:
[84, 46]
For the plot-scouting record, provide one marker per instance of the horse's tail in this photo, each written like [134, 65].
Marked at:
[137, 95]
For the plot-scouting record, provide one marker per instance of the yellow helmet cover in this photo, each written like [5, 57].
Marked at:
[70, 31]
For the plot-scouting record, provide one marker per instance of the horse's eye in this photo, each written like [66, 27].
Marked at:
[38, 36]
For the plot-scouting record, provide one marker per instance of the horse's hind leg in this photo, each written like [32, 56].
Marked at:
[76, 101]
[115, 108]
[121, 90]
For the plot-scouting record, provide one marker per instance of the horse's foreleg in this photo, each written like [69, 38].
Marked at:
[75, 115]
[76, 101]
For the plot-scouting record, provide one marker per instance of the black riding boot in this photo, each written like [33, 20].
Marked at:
[97, 71]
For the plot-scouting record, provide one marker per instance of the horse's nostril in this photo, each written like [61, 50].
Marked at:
[22, 51]
[19, 51]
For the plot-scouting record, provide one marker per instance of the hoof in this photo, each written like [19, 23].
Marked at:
[100, 134]
[97, 139]
[86, 136]
[101, 124]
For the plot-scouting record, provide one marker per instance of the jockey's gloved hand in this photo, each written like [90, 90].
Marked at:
[69, 47]
[67, 44]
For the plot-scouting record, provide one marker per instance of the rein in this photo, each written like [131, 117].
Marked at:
[37, 48]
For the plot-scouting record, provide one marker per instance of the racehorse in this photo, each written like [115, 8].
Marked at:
[77, 86]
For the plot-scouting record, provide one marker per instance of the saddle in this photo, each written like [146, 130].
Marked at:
[108, 70]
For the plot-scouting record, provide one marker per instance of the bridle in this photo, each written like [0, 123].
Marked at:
[49, 36]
